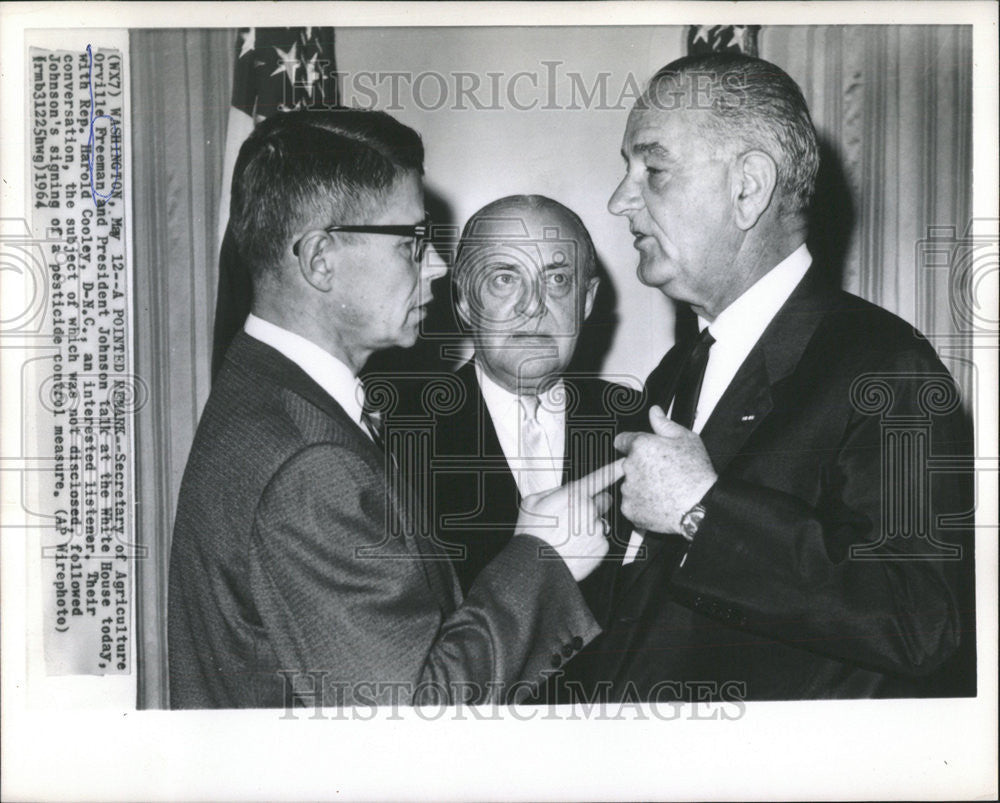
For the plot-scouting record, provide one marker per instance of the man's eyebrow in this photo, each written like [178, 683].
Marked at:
[654, 149]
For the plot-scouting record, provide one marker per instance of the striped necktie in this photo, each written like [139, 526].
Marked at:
[371, 417]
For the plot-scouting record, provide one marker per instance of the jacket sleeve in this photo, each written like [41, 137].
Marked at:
[877, 570]
[339, 594]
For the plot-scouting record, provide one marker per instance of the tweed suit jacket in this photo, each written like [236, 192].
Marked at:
[297, 575]
[834, 560]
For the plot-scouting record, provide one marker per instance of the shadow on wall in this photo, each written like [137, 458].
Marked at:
[833, 215]
[598, 330]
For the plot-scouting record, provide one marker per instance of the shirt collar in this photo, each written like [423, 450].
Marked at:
[501, 400]
[748, 316]
[322, 367]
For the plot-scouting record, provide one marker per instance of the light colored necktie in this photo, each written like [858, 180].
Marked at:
[536, 451]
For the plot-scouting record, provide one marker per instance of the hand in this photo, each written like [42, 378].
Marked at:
[666, 474]
[569, 519]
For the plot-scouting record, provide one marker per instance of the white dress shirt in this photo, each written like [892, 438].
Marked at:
[322, 367]
[736, 331]
[507, 414]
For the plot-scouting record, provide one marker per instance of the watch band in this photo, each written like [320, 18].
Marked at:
[691, 521]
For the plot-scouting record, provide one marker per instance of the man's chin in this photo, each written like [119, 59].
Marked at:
[540, 371]
[652, 273]
[408, 337]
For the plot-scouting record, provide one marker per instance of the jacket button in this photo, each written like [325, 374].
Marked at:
[577, 643]
[567, 650]
[556, 660]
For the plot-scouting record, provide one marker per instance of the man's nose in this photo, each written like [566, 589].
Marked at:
[625, 198]
[535, 304]
[433, 265]
[531, 307]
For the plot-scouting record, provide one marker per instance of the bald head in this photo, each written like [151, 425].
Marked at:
[526, 280]
[522, 219]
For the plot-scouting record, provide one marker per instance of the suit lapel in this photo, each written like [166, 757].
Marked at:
[742, 408]
[253, 355]
[662, 382]
[581, 404]
[487, 442]
[480, 504]
[269, 363]
[750, 397]
[483, 444]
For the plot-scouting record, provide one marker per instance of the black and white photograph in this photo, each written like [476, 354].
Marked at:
[531, 401]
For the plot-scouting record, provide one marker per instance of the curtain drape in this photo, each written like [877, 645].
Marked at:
[180, 100]
[892, 105]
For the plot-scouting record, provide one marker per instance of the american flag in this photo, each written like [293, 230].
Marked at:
[722, 38]
[277, 69]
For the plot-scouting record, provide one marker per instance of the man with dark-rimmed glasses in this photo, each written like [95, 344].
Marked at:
[298, 573]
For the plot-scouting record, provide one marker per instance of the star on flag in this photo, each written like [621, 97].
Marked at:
[721, 38]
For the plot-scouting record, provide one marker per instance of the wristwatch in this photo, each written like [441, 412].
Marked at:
[691, 521]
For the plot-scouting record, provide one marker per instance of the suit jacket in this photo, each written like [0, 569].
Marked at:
[833, 559]
[298, 574]
[472, 495]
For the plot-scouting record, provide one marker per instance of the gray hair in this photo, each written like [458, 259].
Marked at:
[751, 104]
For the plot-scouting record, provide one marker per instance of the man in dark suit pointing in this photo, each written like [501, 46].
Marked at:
[789, 540]
[298, 568]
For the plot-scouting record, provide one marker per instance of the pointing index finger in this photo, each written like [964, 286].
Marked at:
[607, 475]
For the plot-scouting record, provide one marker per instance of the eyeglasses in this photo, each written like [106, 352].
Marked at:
[419, 232]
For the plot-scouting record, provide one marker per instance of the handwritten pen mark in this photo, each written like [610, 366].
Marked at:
[94, 194]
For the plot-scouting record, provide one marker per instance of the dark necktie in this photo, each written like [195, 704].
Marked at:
[689, 383]
[685, 408]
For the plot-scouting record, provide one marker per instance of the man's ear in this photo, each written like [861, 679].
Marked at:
[317, 258]
[754, 180]
[588, 301]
